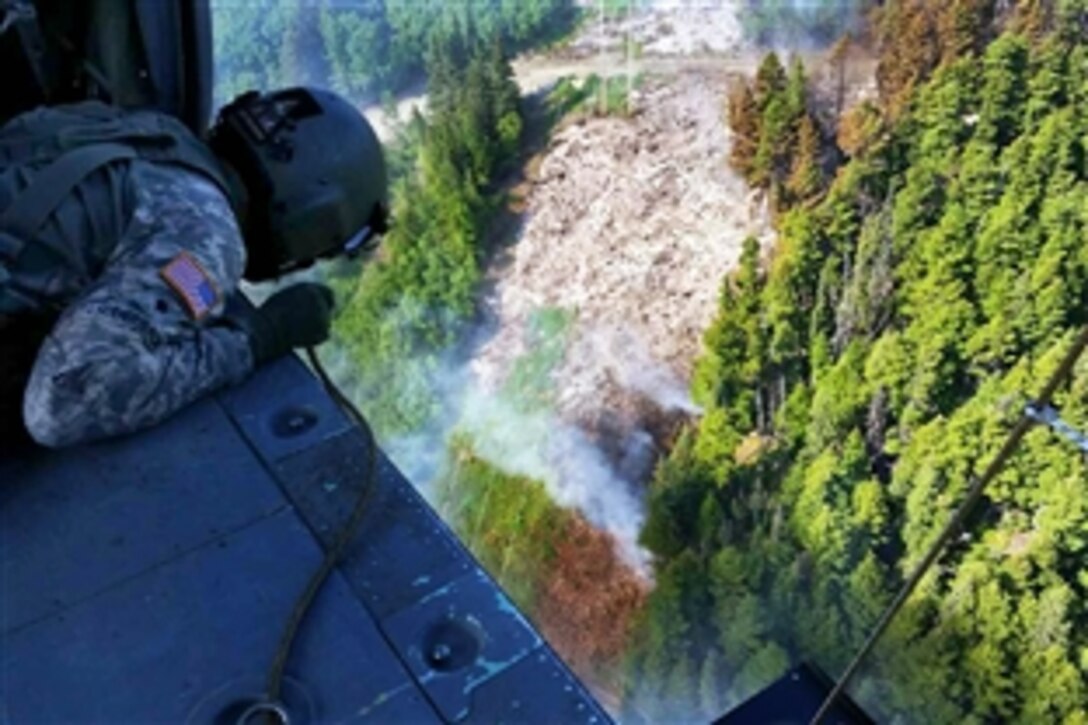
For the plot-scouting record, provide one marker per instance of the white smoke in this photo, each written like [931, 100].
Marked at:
[577, 474]
[624, 356]
[540, 444]
[535, 444]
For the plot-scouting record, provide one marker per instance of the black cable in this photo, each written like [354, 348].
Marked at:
[274, 685]
[974, 495]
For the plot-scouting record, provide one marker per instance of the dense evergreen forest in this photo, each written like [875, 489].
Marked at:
[410, 304]
[363, 47]
[930, 271]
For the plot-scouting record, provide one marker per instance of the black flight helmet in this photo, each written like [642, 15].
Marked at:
[314, 177]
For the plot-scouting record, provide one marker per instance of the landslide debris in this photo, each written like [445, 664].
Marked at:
[666, 28]
[631, 225]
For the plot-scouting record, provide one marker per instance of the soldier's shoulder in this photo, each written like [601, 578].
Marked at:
[176, 184]
[182, 210]
[189, 199]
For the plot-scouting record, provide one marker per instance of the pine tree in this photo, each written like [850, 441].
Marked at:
[908, 51]
[806, 176]
[962, 26]
[796, 91]
[1004, 90]
[770, 81]
[749, 282]
[859, 129]
[836, 60]
[772, 154]
[744, 122]
[477, 124]
[711, 523]
[506, 98]
[502, 88]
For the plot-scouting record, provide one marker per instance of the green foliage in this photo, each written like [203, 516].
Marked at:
[364, 47]
[619, 8]
[509, 522]
[410, 304]
[857, 380]
[249, 43]
[529, 385]
[671, 507]
[779, 145]
[592, 96]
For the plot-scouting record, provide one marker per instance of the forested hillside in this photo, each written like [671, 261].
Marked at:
[410, 304]
[931, 269]
[365, 47]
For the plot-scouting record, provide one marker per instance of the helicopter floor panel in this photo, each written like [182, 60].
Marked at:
[150, 578]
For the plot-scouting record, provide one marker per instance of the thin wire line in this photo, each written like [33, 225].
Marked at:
[274, 686]
[974, 495]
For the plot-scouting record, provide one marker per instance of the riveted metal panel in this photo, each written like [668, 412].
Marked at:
[282, 410]
[459, 637]
[191, 637]
[77, 522]
[403, 551]
[536, 688]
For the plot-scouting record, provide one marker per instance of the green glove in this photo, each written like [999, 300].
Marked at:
[298, 316]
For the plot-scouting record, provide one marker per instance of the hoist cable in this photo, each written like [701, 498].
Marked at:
[333, 555]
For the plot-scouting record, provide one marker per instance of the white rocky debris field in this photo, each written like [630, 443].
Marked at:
[632, 225]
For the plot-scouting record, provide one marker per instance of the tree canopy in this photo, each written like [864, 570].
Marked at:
[408, 306]
[928, 276]
[363, 47]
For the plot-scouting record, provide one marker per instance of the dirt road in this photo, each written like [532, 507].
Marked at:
[537, 73]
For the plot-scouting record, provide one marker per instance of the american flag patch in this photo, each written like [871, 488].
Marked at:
[192, 284]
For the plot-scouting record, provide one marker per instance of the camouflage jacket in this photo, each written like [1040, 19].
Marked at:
[147, 335]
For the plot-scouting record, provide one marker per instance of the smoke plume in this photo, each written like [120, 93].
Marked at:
[540, 444]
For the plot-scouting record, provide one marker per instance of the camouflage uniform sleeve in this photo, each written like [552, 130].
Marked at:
[128, 353]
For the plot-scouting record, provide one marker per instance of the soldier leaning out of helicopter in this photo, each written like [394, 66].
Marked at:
[123, 239]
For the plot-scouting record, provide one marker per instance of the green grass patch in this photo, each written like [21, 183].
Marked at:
[619, 8]
[530, 385]
[509, 522]
[593, 96]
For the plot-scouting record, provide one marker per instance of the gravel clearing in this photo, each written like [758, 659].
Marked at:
[632, 224]
[667, 28]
